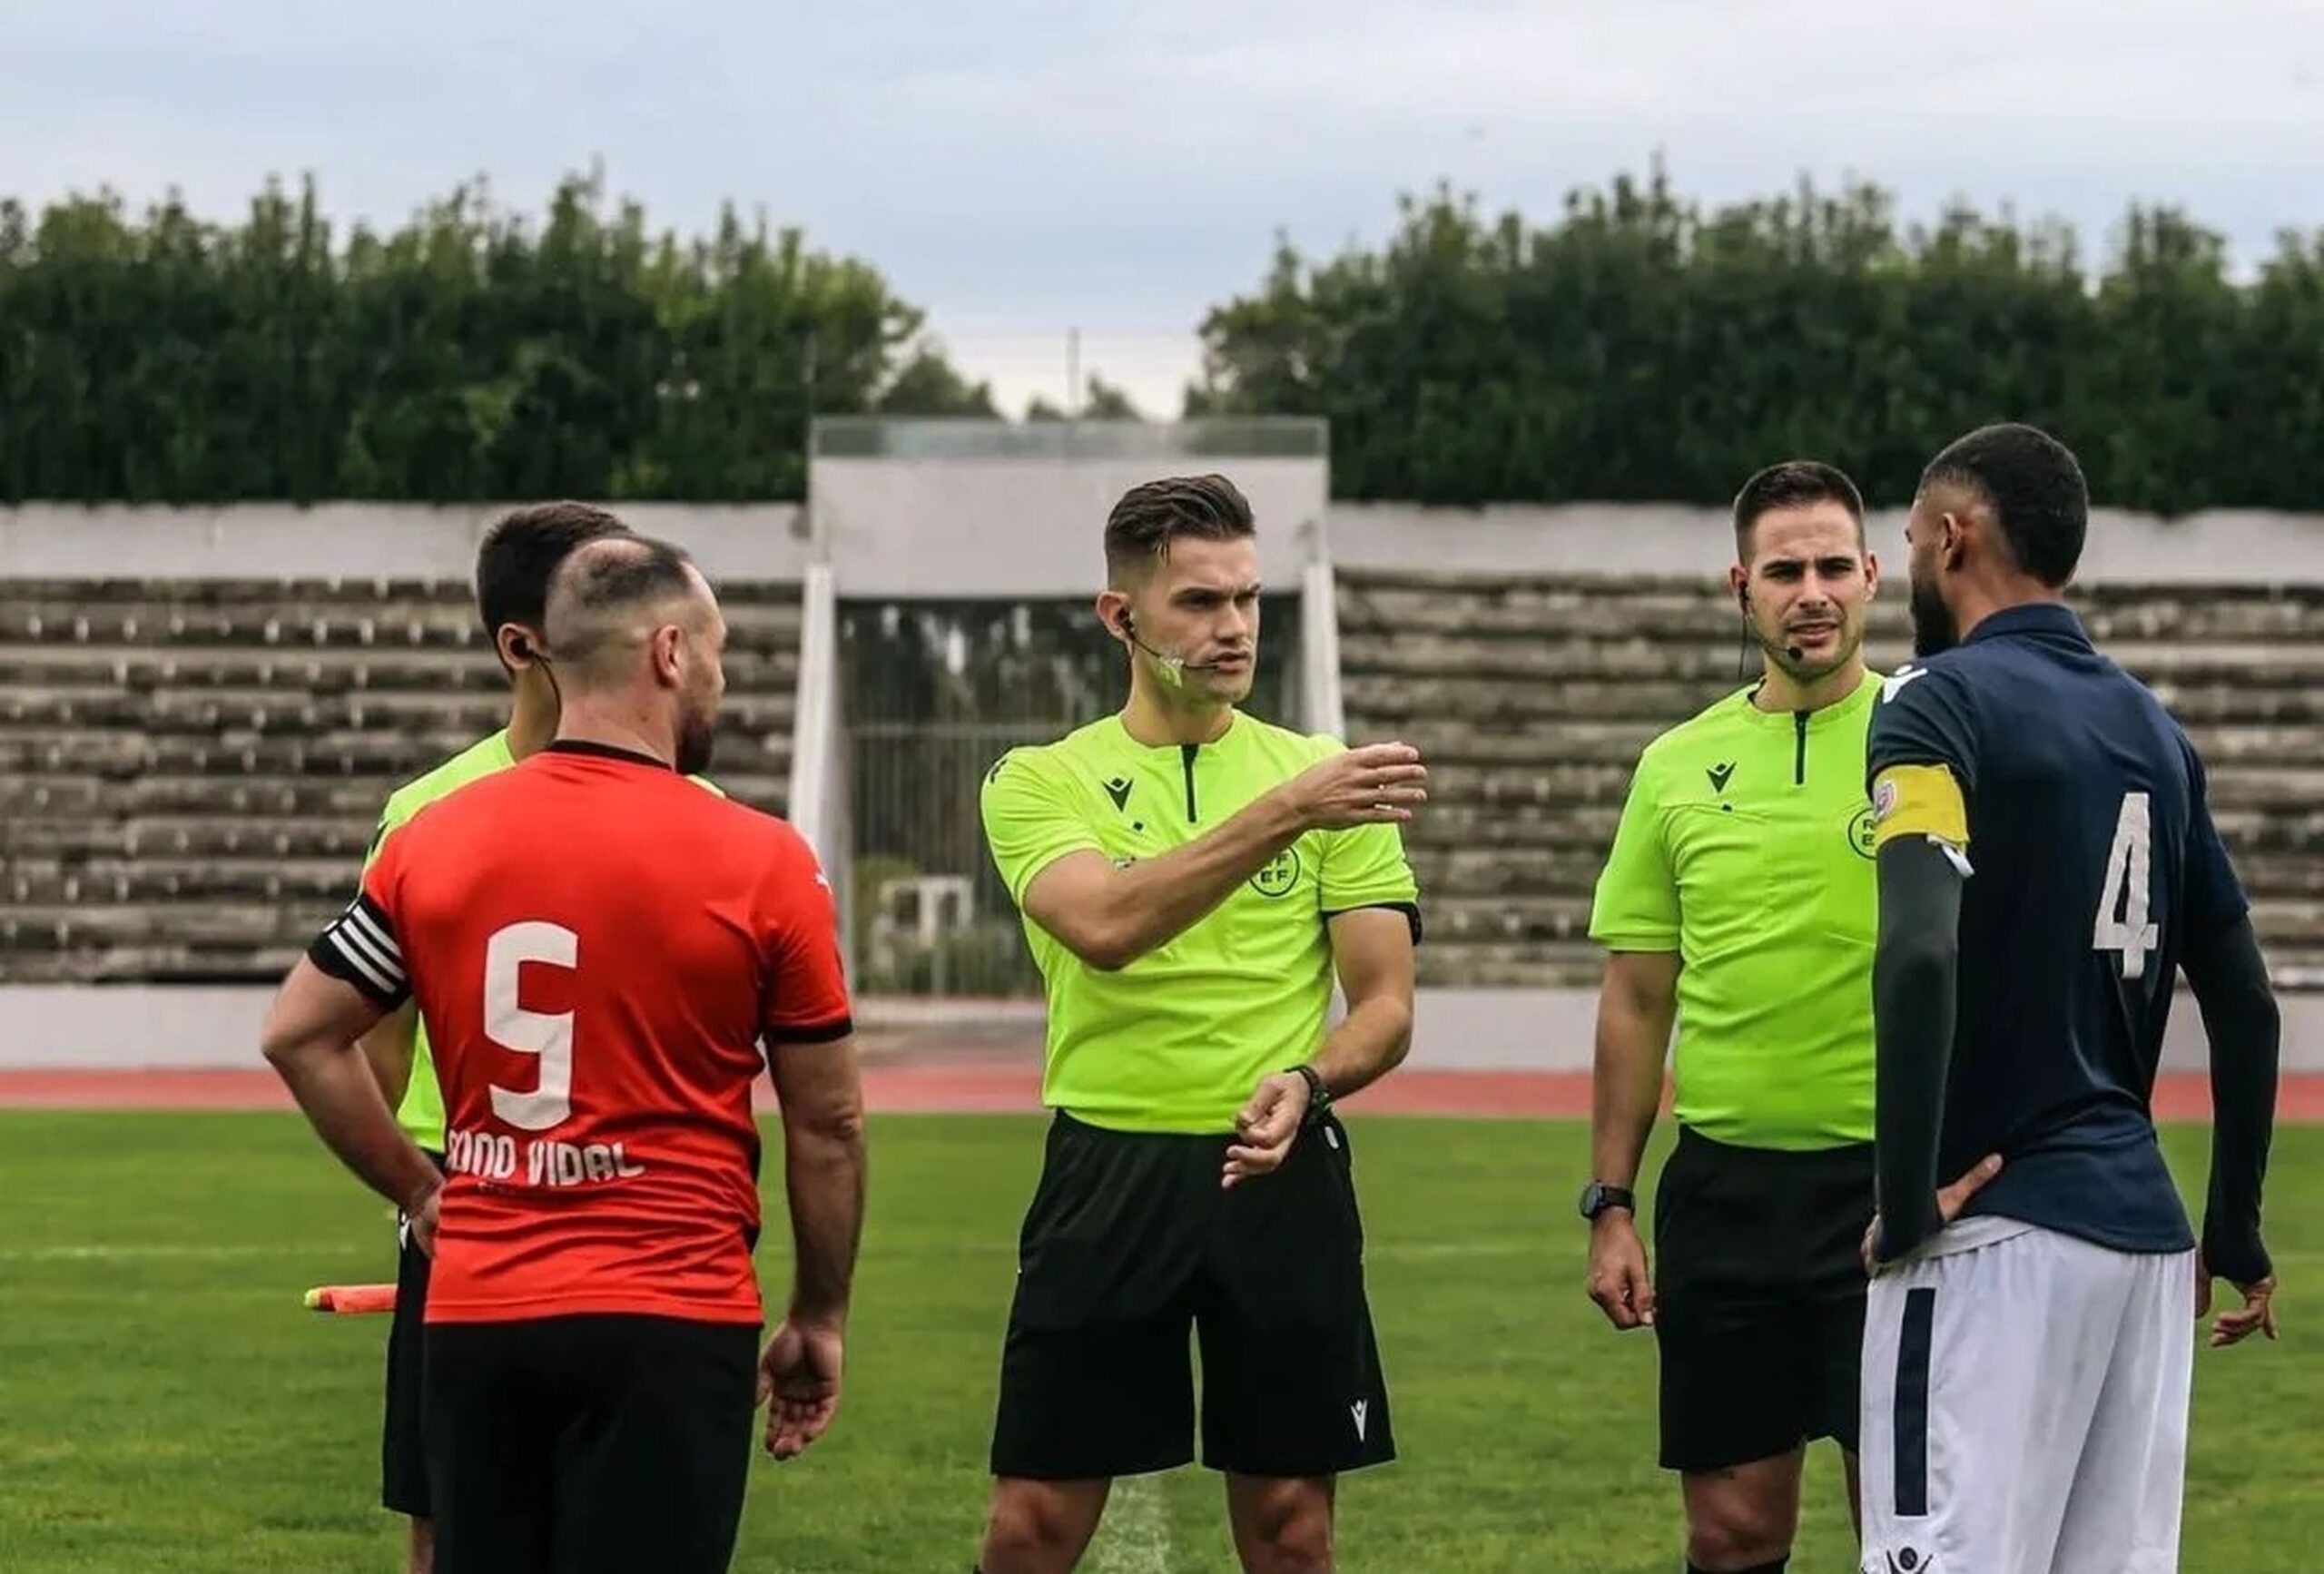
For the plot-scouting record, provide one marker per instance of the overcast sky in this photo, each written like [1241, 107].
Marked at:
[1022, 166]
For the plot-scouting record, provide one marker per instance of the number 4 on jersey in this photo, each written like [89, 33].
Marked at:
[2123, 924]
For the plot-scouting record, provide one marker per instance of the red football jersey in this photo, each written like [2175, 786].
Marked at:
[597, 944]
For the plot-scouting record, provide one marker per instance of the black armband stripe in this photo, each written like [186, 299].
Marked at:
[1410, 910]
[360, 948]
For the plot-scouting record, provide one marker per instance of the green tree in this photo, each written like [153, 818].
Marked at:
[1102, 401]
[1640, 346]
[928, 385]
[469, 353]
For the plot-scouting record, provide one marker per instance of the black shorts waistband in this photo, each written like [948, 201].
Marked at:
[1837, 1156]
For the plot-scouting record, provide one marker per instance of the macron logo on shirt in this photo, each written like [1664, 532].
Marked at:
[1894, 685]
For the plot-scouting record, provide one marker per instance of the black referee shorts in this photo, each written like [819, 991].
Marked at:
[593, 1444]
[1759, 1294]
[403, 1460]
[1129, 1242]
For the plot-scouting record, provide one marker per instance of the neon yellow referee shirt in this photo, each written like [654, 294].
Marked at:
[1746, 846]
[1176, 1041]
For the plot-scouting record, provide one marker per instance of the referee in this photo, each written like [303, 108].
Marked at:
[1740, 898]
[1192, 880]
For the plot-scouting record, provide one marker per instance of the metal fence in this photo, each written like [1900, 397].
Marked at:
[934, 693]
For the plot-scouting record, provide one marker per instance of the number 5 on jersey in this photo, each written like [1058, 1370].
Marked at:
[2123, 898]
[548, 1035]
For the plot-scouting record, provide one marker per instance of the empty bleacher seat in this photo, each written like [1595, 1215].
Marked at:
[1531, 697]
[190, 772]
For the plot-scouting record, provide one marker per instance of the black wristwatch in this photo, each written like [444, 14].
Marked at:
[1598, 1196]
[1319, 1097]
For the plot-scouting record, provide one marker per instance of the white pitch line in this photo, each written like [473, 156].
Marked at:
[130, 1251]
[1135, 1538]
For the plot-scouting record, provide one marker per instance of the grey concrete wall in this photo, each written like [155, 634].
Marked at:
[359, 540]
[1026, 527]
[61, 1027]
[1662, 539]
[915, 529]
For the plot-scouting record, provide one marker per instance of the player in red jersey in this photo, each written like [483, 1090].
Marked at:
[598, 948]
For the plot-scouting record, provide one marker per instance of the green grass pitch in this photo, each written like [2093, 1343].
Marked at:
[167, 1406]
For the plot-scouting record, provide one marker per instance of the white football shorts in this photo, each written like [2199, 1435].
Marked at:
[2024, 1406]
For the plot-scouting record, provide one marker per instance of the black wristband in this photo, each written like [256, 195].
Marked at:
[1319, 1097]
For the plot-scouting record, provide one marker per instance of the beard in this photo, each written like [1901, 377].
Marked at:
[1934, 628]
[1808, 669]
[697, 735]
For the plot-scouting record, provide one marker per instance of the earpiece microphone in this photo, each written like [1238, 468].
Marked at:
[1743, 600]
[1173, 666]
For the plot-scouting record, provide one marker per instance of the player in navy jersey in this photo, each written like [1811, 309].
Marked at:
[2047, 867]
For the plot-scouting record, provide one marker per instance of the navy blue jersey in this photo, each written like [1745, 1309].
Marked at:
[2094, 865]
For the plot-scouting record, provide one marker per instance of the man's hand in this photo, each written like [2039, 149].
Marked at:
[1266, 1127]
[1619, 1278]
[799, 1384]
[2256, 1315]
[1375, 785]
[424, 1215]
[1949, 1201]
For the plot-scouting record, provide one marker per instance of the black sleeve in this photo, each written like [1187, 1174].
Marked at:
[359, 947]
[2214, 899]
[1914, 969]
[2230, 978]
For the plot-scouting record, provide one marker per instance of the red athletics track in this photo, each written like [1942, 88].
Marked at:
[976, 1084]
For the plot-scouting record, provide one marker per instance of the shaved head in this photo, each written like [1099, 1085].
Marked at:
[610, 595]
[632, 628]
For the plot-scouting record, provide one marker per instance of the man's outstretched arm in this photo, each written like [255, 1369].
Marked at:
[1109, 917]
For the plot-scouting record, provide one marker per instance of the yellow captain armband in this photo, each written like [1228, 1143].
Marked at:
[1919, 801]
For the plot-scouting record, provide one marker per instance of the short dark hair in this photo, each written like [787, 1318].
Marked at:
[520, 555]
[2034, 487]
[1793, 483]
[1151, 516]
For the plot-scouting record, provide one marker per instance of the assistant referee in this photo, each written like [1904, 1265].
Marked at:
[1741, 897]
[1192, 879]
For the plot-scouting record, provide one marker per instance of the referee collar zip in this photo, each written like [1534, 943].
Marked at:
[1188, 754]
[1804, 721]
